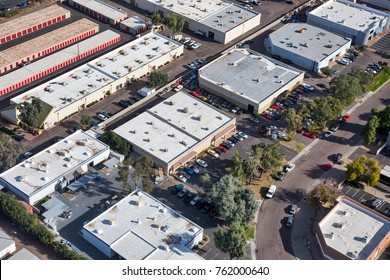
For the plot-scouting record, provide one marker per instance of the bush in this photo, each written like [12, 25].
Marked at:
[116, 142]
[327, 71]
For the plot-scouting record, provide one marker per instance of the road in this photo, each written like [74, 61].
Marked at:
[273, 240]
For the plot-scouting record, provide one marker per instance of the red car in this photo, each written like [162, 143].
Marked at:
[276, 107]
[222, 149]
[310, 135]
[328, 166]
[194, 93]
[301, 131]
[265, 115]
[346, 118]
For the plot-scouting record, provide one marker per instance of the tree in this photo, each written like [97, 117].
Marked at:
[364, 78]
[124, 177]
[253, 164]
[364, 170]
[326, 193]
[271, 158]
[237, 168]
[29, 112]
[175, 23]
[236, 204]
[9, 152]
[157, 19]
[116, 142]
[141, 171]
[384, 120]
[157, 79]
[325, 109]
[231, 240]
[369, 130]
[327, 71]
[86, 120]
[205, 182]
[346, 88]
[293, 120]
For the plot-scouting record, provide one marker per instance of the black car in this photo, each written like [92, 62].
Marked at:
[321, 85]
[280, 176]
[337, 157]
[234, 140]
[124, 103]
[183, 193]
[209, 206]
[277, 116]
[201, 204]
[358, 185]
[189, 197]
[217, 151]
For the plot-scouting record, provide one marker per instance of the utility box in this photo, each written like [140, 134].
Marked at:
[146, 91]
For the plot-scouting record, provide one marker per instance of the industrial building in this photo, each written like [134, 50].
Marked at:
[349, 19]
[100, 10]
[352, 231]
[139, 227]
[217, 20]
[48, 64]
[307, 46]
[175, 131]
[47, 43]
[23, 255]
[76, 89]
[134, 25]
[54, 167]
[248, 79]
[31, 22]
[7, 245]
[383, 4]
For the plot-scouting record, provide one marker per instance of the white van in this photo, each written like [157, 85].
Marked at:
[271, 191]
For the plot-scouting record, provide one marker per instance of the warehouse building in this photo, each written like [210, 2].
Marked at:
[7, 245]
[77, 89]
[100, 10]
[56, 61]
[175, 131]
[35, 48]
[55, 167]
[248, 79]
[307, 46]
[352, 20]
[31, 22]
[352, 231]
[139, 227]
[217, 20]
[134, 25]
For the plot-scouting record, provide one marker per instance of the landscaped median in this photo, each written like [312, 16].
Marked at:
[380, 79]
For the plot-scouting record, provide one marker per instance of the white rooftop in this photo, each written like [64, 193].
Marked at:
[5, 240]
[49, 61]
[167, 132]
[135, 54]
[51, 164]
[134, 22]
[249, 74]
[386, 171]
[24, 255]
[353, 230]
[306, 40]
[141, 227]
[195, 10]
[228, 17]
[102, 8]
[358, 18]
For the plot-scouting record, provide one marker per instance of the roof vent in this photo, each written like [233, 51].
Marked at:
[19, 178]
[164, 210]
[139, 222]
[112, 222]
[99, 231]
[133, 131]
[139, 193]
[185, 110]
[147, 140]
[199, 117]
[45, 179]
[219, 117]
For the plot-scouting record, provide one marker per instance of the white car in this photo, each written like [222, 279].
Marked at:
[201, 162]
[102, 117]
[28, 154]
[289, 167]
[280, 105]
[181, 178]
[178, 88]
[242, 134]
[328, 134]
[195, 46]
[186, 40]
[308, 87]
[250, 7]
[234, 110]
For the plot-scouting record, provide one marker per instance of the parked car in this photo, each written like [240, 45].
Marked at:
[102, 117]
[208, 207]
[307, 87]
[189, 197]
[177, 188]
[289, 167]
[280, 105]
[185, 40]
[222, 149]
[310, 135]
[194, 169]
[181, 178]
[376, 203]
[271, 191]
[28, 154]
[238, 137]
[328, 166]
[265, 115]
[346, 118]
[328, 134]
[234, 140]
[280, 176]
[212, 153]
[195, 200]
[189, 171]
[178, 88]
[214, 213]
[234, 109]
[185, 174]
[201, 162]
[321, 85]
[293, 209]
[337, 157]
[183, 193]
[242, 134]
[289, 221]
[201, 204]
[358, 185]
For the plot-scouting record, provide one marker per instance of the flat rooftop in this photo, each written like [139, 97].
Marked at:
[353, 230]
[357, 18]
[134, 22]
[195, 10]
[386, 171]
[173, 127]
[5, 240]
[306, 40]
[49, 61]
[52, 163]
[26, 21]
[102, 8]
[24, 255]
[136, 54]
[249, 74]
[45, 41]
[228, 17]
[141, 227]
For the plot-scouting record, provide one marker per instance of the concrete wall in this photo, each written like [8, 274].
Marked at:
[241, 29]
[99, 244]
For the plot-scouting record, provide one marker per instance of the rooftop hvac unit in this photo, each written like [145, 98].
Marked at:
[139, 193]
[164, 210]
[133, 131]
[139, 221]
[147, 140]
[112, 222]
[123, 52]
[45, 179]
[19, 178]
[185, 110]
[99, 231]
[199, 117]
